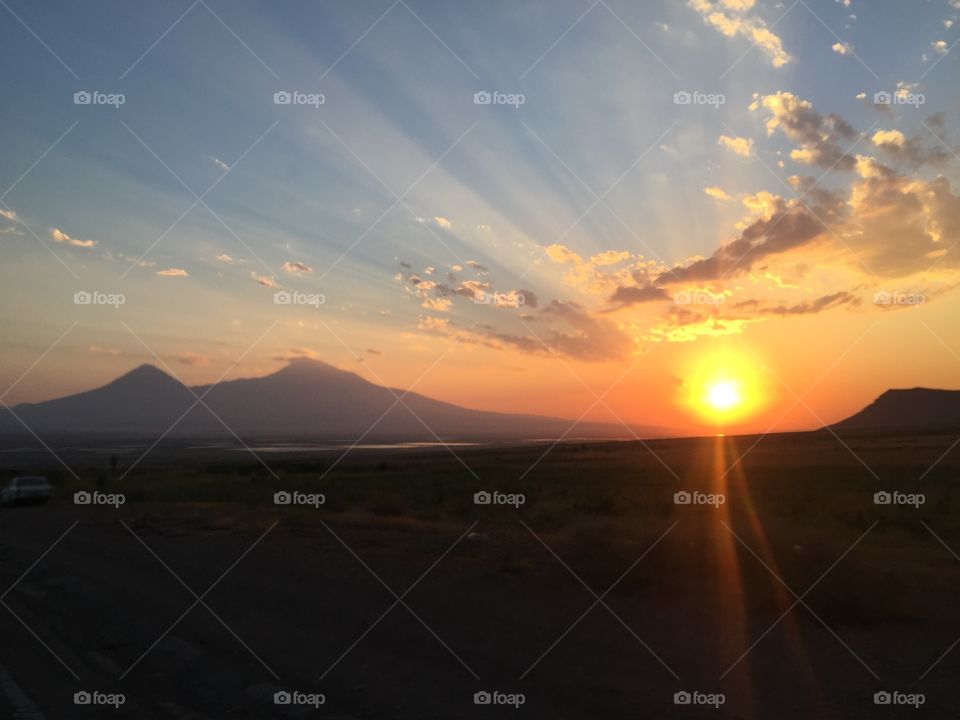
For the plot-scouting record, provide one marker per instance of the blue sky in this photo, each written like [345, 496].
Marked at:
[314, 189]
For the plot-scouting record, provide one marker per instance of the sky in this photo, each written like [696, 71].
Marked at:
[581, 209]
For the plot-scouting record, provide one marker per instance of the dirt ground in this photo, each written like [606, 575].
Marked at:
[798, 597]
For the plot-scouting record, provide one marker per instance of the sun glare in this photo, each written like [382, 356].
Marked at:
[723, 395]
[724, 387]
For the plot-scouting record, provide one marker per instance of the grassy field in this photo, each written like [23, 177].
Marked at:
[802, 479]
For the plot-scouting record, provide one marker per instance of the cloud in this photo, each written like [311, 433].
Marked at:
[842, 48]
[626, 296]
[788, 225]
[12, 217]
[59, 236]
[224, 258]
[717, 193]
[902, 225]
[438, 304]
[530, 299]
[597, 275]
[739, 145]
[888, 137]
[610, 257]
[682, 323]
[264, 280]
[296, 268]
[219, 163]
[819, 135]
[470, 288]
[173, 272]
[439, 296]
[437, 220]
[562, 254]
[731, 18]
[811, 307]
[297, 354]
[911, 151]
[886, 221]
[940, 47]
[192, 359]
[371, 351]
[563, 329]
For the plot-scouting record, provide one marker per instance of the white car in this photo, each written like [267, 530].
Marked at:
[26, 490]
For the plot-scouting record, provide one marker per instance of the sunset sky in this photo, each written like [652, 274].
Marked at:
[788, 227]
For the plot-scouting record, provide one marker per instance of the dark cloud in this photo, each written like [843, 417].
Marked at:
[625, 296]
[913, 151]
[811, 307]
[530, 299]
[822, 138]
[564, 328]
[591, 339]
[790, 226]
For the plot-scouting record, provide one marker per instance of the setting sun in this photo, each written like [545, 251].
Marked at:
[723, 395]
[725, 386]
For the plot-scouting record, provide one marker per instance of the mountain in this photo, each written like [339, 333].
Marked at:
[913, 408]
[305, 399]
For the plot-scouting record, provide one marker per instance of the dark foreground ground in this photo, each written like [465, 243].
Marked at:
[599, 597]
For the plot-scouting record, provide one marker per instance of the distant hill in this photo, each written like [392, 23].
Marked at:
[913, 408]
[306, 399]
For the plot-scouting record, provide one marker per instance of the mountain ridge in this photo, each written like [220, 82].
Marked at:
[896, 408]
[305, 398]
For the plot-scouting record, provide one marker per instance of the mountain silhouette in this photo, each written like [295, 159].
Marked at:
[307, 398]
[912, 408]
